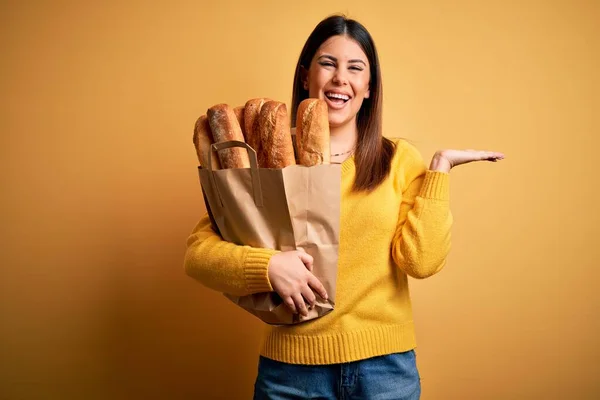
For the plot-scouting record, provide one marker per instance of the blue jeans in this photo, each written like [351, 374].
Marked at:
[394, 376]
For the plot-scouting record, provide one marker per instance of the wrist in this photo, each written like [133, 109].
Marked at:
[439, 163]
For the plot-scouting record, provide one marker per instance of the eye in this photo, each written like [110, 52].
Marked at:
[356, 68]
[327, 64]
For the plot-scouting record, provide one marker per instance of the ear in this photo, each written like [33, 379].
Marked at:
[304, 77]
[368, 94]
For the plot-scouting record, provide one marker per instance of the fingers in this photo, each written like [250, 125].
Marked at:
[300, 304]
[484, 154]
[297, 302]
[491, 156]
[481, 155]
[289, 302]
[295, 284]
[309, 297]
[317, 286]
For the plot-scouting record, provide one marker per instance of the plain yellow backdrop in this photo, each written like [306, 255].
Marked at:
[100, 189]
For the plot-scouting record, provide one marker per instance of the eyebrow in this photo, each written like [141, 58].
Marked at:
[332, 58]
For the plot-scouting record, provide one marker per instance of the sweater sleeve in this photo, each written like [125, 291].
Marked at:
[422, 239]
[224, 266]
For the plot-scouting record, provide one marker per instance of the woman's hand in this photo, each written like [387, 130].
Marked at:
[290, 274]
[444, 160]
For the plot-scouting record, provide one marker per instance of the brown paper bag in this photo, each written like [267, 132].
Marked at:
[283, 209]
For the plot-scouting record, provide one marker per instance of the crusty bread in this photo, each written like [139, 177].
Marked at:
[225, 127]
[202, 141]
[239, 114]
[312, 133]
[275, 137]
[251, 128]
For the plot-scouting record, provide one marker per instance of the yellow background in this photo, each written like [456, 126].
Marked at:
[100, 190]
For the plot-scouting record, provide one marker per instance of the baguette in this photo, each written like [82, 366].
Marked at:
[312, 133]
[202, 142]
[275, 137]
[225, 127]
[251, 126]
[239, 114]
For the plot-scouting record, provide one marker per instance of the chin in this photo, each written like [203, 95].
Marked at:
[336, 121]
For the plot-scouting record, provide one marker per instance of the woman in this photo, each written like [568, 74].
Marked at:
[395, 222]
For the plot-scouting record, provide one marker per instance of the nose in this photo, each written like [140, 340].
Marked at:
[339, 78]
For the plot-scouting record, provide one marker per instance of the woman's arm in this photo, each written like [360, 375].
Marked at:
[224, 266]
[422, 240]
[244, 270]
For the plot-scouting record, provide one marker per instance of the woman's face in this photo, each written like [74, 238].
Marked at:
[339, 73]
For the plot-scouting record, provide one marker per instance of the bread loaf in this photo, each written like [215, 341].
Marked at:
[251, 128]
[239, 114]
[312, 133]
[225, 127]
[202, 141]
[275, 137]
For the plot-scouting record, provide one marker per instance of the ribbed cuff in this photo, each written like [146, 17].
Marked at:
[436, 186]
[256, 270]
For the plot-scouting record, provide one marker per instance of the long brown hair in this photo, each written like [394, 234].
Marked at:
[374, 152]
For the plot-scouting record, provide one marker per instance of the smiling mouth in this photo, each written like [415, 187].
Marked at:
[337, 98]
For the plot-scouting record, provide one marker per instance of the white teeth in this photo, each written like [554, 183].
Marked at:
[338, 96]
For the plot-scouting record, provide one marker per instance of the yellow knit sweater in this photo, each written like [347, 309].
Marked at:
[401, 228]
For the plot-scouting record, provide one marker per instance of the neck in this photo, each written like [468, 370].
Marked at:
[343, 138]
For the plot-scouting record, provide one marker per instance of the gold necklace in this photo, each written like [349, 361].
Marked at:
[341, 154]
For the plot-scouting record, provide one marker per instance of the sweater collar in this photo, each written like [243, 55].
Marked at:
[348, 164]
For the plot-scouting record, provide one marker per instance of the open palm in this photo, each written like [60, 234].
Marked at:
[445, 160]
